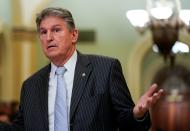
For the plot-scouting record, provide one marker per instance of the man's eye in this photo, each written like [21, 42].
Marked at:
[56, 30]
[43, 32]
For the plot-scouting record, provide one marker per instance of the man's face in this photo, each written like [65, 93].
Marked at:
[58, 42]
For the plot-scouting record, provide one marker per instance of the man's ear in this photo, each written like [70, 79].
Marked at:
[75, 34]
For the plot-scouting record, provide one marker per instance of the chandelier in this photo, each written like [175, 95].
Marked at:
[164, 18]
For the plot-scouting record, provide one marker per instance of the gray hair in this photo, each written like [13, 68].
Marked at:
[58, 12]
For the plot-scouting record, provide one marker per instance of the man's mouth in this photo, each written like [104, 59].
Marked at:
[51, 46]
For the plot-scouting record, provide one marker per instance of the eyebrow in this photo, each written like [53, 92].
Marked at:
[57, 25]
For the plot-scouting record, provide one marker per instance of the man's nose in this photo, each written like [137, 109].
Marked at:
[49, 36]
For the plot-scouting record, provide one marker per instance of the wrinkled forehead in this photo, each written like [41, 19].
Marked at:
[52, 18]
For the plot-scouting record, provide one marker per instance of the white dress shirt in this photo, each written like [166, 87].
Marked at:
[69, 78]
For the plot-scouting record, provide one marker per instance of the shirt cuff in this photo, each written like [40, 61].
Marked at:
[142, 118]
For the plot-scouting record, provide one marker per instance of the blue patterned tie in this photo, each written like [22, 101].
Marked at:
[61, 122]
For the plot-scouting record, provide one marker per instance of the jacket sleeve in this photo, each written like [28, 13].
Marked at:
[122, 102]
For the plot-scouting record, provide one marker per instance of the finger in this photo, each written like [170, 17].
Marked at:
[140, 107]
[149, 101]
[155, 97]
[161, 91]
[152, 89]
[146, 104]
[145, 107]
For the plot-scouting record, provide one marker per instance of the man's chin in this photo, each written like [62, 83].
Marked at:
[51, 57]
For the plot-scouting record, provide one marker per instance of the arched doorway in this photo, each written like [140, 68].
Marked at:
[143, 64]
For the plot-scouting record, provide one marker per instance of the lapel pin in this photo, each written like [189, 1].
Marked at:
[83, 74]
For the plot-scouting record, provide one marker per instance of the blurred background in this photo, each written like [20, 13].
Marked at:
[104, 29]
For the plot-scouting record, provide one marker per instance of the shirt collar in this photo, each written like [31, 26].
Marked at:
[69, 65]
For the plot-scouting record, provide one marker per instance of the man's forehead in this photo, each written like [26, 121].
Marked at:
[52, 22]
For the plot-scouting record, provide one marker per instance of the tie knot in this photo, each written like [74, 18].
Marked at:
[60, 70]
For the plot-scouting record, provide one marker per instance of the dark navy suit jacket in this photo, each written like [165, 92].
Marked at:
[100, 99]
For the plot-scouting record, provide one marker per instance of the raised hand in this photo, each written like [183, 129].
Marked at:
[150, 97]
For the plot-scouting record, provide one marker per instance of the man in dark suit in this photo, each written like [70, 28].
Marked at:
[97, 97]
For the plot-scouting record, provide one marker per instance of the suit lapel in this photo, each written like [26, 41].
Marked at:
[82, 72]
[43, 94]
